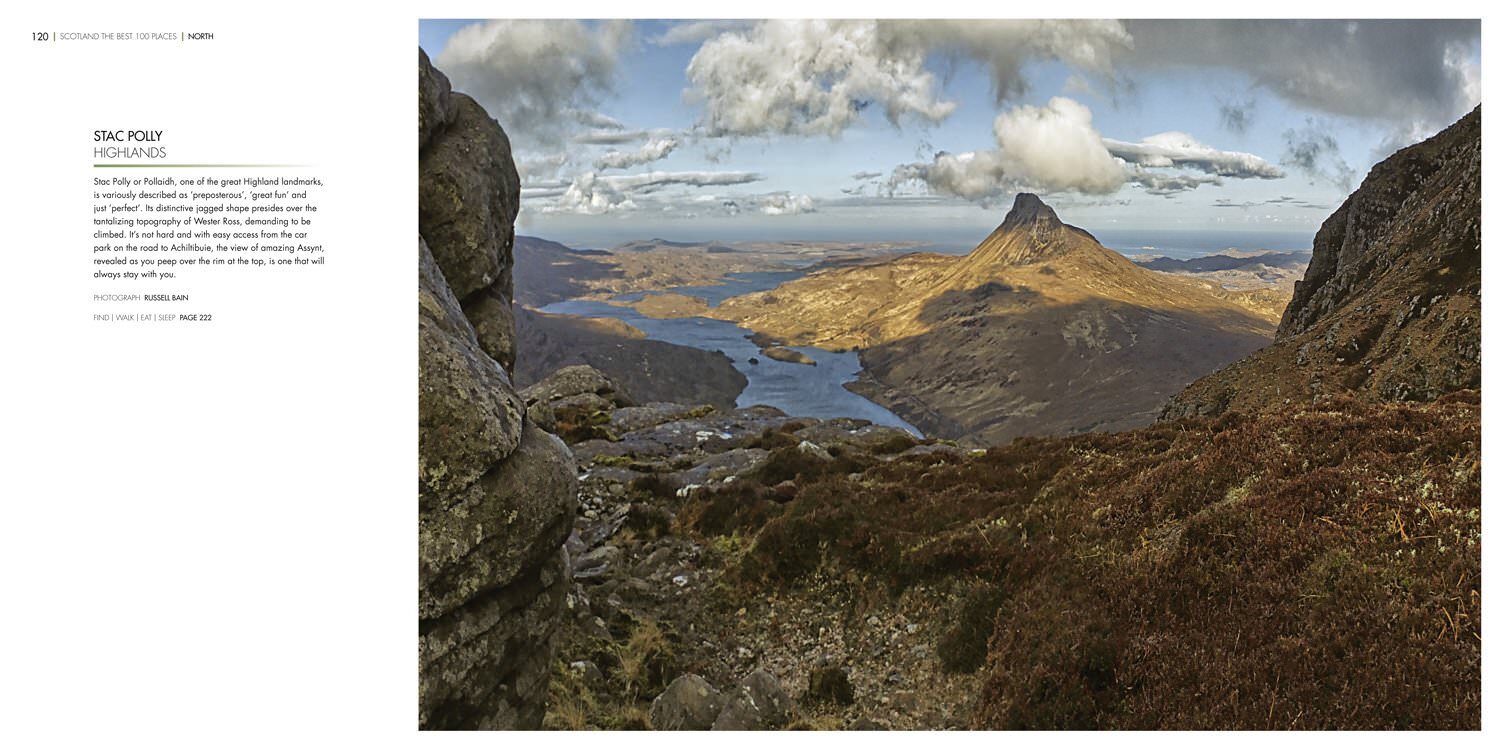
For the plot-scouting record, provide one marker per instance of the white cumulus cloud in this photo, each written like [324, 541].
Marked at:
[786, 204]
[1056, 147]
[976, 176]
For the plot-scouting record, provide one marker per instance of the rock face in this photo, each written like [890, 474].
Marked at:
[1389, 308]
[1040, 330]
[496, 493]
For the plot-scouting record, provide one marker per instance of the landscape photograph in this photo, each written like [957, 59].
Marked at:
[950, 374]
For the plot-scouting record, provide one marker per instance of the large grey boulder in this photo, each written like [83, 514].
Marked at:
[576, 380]
[688, 703]
[509, 521]
[466, 175]
[496, 492]
[468, 416]
[759, 703]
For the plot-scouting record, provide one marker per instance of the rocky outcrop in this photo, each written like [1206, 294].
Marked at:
[496, 493]
[1031, 232]
[1389, 307]
[469, 193]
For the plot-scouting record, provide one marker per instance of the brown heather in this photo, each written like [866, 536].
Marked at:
[1304, 569]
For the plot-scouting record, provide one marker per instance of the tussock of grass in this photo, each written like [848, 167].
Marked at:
[644, 660]
[570, 703]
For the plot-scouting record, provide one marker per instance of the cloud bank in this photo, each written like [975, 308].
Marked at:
[1174, 149]
[818, 77]
[591, 193]
[1392, 71]
[808, 77]
[1055, 148]
[546, 82]
[537, 78]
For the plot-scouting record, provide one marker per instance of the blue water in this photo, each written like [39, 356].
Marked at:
[798, 390]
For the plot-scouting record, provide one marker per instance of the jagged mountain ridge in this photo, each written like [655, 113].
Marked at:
[1031, 232]
[1389, 307]
[1040, 330]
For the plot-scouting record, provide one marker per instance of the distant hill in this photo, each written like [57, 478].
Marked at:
[645, 246]
[648, 370]
[548, 272]
[1227, 261]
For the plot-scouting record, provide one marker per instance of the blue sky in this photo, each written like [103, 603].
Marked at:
[1082, 119]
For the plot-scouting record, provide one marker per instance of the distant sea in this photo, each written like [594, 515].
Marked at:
[1192, 244]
